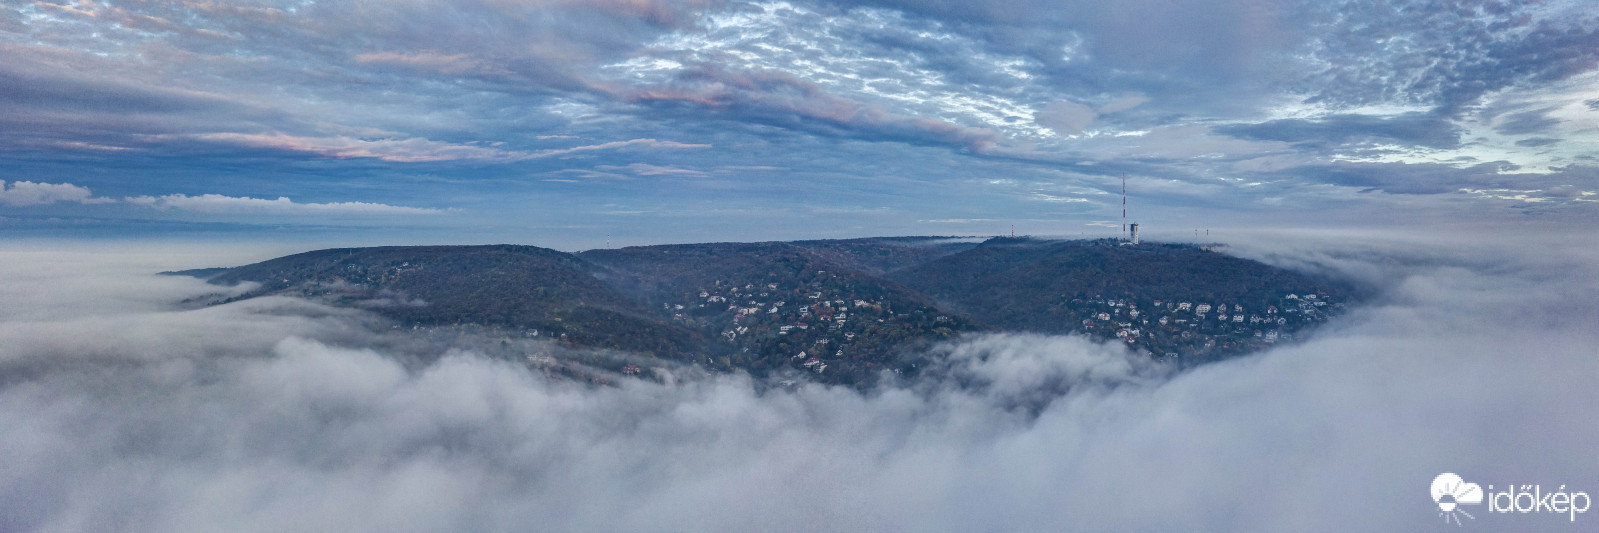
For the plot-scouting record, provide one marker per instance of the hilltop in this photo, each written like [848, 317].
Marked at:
[1169, 299]
[839, 311]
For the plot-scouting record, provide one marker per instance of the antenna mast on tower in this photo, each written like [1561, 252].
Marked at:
[1124, 206]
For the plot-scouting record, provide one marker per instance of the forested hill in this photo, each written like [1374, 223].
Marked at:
[1020, 282]
[522, 288]
[1172, 299]
[839, 311]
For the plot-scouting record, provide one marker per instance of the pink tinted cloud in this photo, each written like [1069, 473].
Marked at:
[417, 149]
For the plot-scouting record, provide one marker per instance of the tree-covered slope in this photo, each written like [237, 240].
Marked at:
[533, 290]
[1091, 286]
[788, 306]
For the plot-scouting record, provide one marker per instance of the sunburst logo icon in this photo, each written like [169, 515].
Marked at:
[1450, 492]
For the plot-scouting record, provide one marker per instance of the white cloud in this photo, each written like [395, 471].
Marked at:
[816, 46]
[406, 150]
[216, 203]
[643, 143]
[26, 193]
[646, 169]
[1123, 104]
[1066, 118]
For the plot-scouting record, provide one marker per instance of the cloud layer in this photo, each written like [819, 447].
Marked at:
[27, 194]
[1232, 111]
[277, 414]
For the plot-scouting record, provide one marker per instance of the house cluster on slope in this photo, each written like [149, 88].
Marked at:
[817, 322]
[1167, 327]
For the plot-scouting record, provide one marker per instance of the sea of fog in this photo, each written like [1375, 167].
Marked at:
[124, 409]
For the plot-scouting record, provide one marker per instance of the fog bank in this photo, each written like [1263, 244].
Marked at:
[126, 410]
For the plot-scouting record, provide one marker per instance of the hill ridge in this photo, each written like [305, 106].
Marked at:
[839, 311]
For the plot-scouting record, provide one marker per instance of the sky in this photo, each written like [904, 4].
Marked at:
[573, 124]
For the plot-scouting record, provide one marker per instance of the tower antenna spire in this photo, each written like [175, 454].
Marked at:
[1124, 205]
